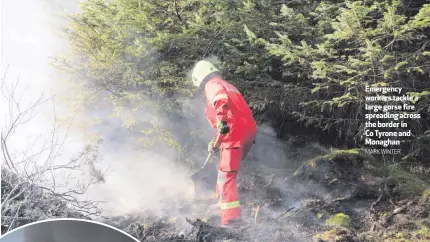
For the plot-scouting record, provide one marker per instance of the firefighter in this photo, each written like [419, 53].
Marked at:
[228, 112]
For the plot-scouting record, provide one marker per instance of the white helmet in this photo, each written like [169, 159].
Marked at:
[201, 70]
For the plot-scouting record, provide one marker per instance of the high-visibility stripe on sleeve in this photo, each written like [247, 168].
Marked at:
[219, 97]
[229, 205]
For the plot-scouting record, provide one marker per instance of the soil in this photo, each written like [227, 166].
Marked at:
[282, 205]
[363, 200]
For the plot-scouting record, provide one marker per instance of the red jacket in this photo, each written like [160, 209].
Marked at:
[224, 102]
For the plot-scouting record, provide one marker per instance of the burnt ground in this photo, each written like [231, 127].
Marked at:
[339, 196]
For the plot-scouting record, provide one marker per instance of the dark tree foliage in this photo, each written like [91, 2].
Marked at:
[302, 65]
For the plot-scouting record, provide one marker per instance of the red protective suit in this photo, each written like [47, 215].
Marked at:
[224, 102]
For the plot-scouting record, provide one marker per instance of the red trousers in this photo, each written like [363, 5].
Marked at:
[226, 189]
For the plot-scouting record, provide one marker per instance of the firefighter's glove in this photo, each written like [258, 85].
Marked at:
[222, 127]
[211, 147]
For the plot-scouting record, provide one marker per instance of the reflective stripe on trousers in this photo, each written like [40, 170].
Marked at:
[228, 196]
[229, 205]
[220, 181]
[226, 189]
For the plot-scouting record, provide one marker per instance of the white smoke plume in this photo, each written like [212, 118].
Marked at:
[136, 180]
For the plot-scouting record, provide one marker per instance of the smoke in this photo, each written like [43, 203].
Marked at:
[135, 179]
[141, 178]
[213, 59]
[265, 175]
[266, 181]
[27, 42]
